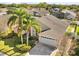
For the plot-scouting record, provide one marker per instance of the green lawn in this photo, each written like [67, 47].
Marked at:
[77, 30]
[8, 46]
[70, 29]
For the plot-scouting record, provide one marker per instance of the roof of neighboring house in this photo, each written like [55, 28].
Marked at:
[55, 9]
[3, 9]
[57, 27]
[41, 11]
[70, 12]
[3, 22]
[2, 13]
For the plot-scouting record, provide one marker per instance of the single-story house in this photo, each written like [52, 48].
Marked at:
[55, 10]
[3, 13]
[69, 14]
[49, 39]
[55, 31]
[3, 9]
[38, 12]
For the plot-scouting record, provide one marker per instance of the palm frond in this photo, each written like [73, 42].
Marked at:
[12, 20]
[37, 28]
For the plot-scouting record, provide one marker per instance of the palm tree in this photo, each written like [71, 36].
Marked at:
[25, 22]
[17, 17]
[31, 24]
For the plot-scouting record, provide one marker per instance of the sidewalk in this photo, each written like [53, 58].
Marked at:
[2, 54]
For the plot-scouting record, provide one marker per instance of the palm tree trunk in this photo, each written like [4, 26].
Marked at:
[21, 38]
[21, 28]
[75, 32]
[37, 37]
[75, 28]
[27, 40]
[31, 33]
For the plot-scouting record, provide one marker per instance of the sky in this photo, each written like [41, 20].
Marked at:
[38, 1]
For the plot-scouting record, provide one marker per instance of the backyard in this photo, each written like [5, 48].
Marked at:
[18, 39]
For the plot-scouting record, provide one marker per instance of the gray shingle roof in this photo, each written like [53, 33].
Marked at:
[57, 27]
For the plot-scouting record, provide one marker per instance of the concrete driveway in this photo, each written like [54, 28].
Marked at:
[41, 49]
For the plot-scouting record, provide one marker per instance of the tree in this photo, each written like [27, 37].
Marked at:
[30, 25]
[3, 5]
[42, 5]
[17, 17]
[25, 22]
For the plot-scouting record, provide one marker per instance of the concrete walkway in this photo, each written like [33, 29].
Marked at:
[2, 54]
[41, 49]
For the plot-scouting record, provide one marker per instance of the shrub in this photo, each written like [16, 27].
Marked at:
[23, 47]
[7, 48]
[5, 35]
[32, 43]
[10, 52]
[33, 38]
[16, 54]
[77, 51]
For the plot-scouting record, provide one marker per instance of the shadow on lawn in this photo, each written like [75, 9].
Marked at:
[12, 54]
[11, 42]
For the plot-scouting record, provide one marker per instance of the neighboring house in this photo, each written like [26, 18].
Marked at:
[38, 12]
[69, 14]
[59, 15]
[3, 9]
[44, 12]
[57, 12]
[3, 13]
